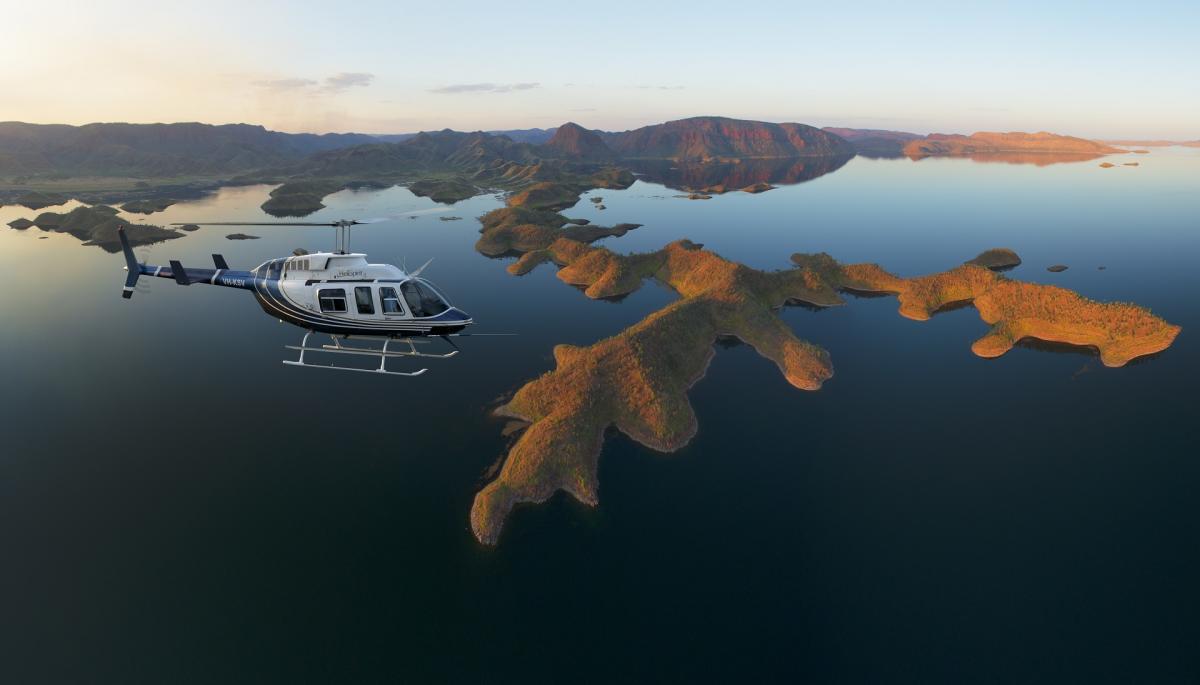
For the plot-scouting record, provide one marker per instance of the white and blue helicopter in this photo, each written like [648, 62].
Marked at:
[336, 293]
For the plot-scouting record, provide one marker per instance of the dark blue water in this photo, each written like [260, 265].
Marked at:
[178, 506]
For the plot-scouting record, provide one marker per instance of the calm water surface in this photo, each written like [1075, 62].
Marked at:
[178, 506]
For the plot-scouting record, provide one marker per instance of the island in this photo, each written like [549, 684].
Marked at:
[40, 200]
[98, 225]
[300, 198]
[1119, 331]
[940, 144]
[20, 224]
[637, 380]
[148, 206]
[241, 236]
[446, 191]
[996, 259]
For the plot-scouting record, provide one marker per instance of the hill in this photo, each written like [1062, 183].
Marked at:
[154, 150]
[533, 136]
[705, 138]
[987, 142]
[875, 142]
[572, 141]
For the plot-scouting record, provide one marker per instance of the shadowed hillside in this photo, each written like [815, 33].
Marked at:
[703, 138]
[154, 150]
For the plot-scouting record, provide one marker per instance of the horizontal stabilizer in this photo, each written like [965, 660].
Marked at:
[220, 263]
[179, 273]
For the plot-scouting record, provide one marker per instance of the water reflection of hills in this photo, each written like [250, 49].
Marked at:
[1018, 157]
[724, 176]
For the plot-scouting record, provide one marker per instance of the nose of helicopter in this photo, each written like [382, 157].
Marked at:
[463, 317]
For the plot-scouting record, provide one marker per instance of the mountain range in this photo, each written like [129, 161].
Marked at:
[243, 152]
[155, 150]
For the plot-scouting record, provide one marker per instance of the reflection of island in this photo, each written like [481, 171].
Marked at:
[637, 380]
[1034, 158]
[750, 175]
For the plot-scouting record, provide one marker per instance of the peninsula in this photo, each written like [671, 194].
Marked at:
[938, 144]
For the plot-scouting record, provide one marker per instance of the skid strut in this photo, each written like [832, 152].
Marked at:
[383, 354]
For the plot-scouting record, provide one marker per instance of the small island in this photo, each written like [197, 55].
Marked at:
[445, 191]
[146, 206]
[241, 236]
[39, 200]
[20, 224]
[300, 198]
[997, 259]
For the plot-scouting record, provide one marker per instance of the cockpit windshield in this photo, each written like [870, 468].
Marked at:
[423, 300]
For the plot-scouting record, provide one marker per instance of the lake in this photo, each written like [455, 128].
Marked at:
[178, 506]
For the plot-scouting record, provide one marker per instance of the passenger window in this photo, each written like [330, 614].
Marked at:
[390, 301]
[332, 300]
[362, 298]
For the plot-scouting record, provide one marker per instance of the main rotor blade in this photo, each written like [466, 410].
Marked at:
[254, 223]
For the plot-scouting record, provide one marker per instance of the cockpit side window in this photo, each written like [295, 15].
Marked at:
[275, 269]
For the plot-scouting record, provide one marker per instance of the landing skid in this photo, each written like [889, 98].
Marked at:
[383, 354]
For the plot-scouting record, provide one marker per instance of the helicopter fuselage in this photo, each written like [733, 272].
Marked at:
[335, 293]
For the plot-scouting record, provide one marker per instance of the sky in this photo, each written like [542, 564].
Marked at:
[1095, 69]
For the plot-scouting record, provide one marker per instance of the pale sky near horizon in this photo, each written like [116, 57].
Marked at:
[1100, 70]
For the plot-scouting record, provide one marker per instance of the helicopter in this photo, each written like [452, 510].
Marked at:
[336, 293]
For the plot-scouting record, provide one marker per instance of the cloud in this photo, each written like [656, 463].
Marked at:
[456, 88]
[329, 85]
[344, 80]
[286, 83]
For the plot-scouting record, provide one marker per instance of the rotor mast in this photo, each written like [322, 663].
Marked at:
[342, 236]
